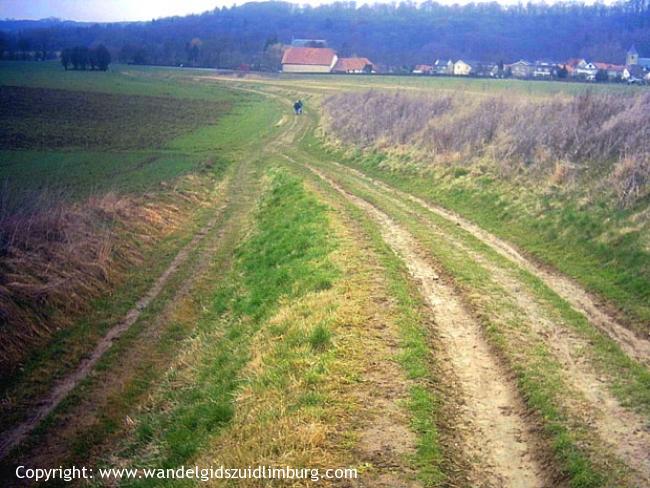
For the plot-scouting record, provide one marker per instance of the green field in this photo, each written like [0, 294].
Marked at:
[79, 135]
[328, 84]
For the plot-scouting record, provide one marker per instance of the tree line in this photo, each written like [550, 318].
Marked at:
[397, 34]
[81, 58]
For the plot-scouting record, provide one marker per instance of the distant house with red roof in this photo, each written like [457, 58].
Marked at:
[571, 65]
[422, 69]
[354, 65]
[581, 68]
[308, 60]
[614, 71]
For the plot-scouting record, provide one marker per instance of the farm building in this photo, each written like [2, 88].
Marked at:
[443, 67]
[354, 65]
[308, 60]
[521, 69]
[422, 69]
[463, 68]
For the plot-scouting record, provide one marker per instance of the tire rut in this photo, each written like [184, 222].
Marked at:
[581, 300]
[53, 447]
[621, 429]
[498, 438]
[46, 405]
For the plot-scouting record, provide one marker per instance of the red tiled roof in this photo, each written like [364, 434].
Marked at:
[309, 55]
[351, 64]
[609, 67]
[573, 62]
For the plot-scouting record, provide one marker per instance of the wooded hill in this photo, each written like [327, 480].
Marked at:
[397, 34]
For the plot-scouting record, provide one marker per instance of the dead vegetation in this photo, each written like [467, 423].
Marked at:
[56, 256]
[598, 134]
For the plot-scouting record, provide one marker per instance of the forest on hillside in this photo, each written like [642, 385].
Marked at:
[397, 34]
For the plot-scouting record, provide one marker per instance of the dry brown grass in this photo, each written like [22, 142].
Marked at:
[630, 180]
[56, 256]
[604, 135]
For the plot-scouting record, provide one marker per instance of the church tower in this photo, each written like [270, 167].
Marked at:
[632, 57]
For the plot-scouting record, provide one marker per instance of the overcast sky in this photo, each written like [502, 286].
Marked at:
[116, 10]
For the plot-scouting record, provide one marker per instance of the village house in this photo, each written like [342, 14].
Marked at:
[585, 70]
[486, 70]
[634, 73]
[443, 67]
[422, 69]
[354, 66]
[570, 66]
[463, 68]
[308, 60]
[521, 69]
[545, 70]
[614, 71]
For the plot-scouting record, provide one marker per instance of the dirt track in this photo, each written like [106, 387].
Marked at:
[500, 438]
[63, 388]
[493, 414]
[581, 300]
[622, 429]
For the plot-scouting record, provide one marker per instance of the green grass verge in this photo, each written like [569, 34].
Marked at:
[286, 257]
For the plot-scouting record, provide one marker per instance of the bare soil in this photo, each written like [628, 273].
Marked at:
[624, 431]
[497, 434]
[581, 300]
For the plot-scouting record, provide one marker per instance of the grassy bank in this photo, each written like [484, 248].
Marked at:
[94, 184]
[285, 257]
[590, 239]
[182, 208]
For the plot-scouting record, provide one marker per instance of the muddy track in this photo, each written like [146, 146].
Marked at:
[13, 437]
[623, 430]
[497, 435]
[581, 300]
[618, 427]
[16, 435]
